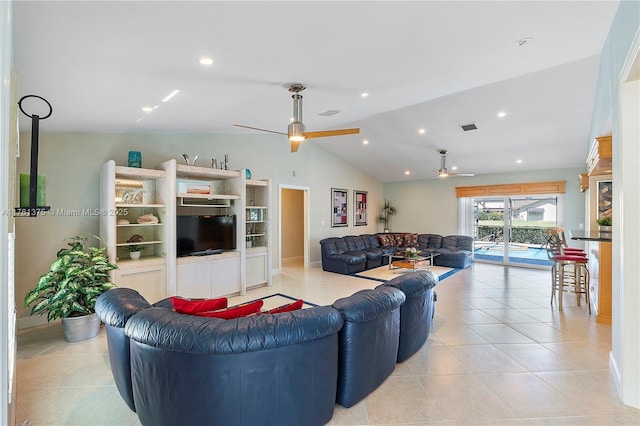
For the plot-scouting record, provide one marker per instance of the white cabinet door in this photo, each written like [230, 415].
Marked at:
[150, 282]
[256, 269]
[225, 276]
[194, 279]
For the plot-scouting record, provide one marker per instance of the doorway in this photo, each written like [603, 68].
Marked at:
[293, 235]
[510, 230]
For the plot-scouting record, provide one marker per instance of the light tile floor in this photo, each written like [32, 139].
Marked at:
[498, 354]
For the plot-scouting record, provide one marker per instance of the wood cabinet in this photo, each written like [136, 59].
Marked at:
[599, 160]
[600, 280]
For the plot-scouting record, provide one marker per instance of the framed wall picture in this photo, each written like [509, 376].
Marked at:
[360, 208]
[604, 199]
[338, 207]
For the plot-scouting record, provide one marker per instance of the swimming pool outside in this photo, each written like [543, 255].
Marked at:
[517, 254]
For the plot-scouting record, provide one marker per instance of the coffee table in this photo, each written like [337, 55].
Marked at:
[398, 261]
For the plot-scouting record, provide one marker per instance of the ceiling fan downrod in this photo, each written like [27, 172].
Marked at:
[296, 129]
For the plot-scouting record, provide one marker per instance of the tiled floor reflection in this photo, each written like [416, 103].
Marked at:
[498, 355]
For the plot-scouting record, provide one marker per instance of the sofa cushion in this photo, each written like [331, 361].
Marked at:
[399, 240]
[410, 240]
[192, 306]
[293, 306]
[233, 312]
[371, 241]
[354, 243]
[386, 240]
[431, 241]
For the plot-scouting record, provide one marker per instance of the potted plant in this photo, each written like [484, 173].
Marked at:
[385, 215]
[135, 251]
[70, 288]
[604, 224]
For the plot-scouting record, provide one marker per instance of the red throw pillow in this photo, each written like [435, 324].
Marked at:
[384, 240]
[192, 306]
[234, 311]
[293, 306]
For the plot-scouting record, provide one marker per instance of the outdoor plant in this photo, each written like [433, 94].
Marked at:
[605, 221]
[75, 279]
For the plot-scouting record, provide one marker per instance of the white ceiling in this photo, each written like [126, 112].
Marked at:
[432, 65]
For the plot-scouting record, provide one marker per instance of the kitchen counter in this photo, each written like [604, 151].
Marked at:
[586, 235]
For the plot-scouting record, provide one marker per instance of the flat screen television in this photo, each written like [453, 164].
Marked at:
[205, 234]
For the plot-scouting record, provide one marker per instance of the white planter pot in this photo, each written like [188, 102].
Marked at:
[77, 329]
[135, 255]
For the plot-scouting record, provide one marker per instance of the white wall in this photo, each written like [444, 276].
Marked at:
[71, 163]
[431, 206]
[7, 157]
[618, 116]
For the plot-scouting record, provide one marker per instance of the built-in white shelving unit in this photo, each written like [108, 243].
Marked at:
[177, 189]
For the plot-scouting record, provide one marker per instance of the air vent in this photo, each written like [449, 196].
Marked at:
[329, 113]
[467, 127]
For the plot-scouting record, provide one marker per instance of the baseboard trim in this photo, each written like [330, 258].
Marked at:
[293, 259]
[613, 367]
[29, 322]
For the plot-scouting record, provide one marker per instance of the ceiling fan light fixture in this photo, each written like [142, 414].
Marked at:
[296, 131]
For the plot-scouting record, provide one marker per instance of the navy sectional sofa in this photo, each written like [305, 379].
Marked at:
[288, 368]
[355, 253]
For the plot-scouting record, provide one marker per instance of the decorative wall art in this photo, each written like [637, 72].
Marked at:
[360, 207]
[338, 207]
[604, 199]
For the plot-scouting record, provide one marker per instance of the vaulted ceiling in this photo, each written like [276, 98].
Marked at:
[430, 66]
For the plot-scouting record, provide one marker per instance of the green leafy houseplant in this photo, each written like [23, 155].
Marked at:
[605, 221]
[75, 279]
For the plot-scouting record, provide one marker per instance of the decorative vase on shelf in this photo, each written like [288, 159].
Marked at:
[247, 173]
[135, 159]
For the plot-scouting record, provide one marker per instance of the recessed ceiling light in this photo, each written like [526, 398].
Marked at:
[421, 131]
[523, 41]
[454, 167]
[170, 95]
[502, 114]
[519, 161]
[364, 95]
[205, 61]
[407, 172]
[365, 142]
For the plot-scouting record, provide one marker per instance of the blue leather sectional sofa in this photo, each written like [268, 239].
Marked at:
[355, 253]
[288, 368]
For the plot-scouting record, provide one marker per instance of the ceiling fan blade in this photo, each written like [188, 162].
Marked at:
[295, 146]
[325, 133]
[462, 174]
[262, 130]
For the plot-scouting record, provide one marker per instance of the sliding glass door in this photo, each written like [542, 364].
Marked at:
[510, 230]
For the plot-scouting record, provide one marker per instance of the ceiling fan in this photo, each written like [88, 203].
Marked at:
[443, 172]
[296, 131]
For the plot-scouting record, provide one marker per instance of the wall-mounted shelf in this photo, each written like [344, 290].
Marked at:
[197, 172]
